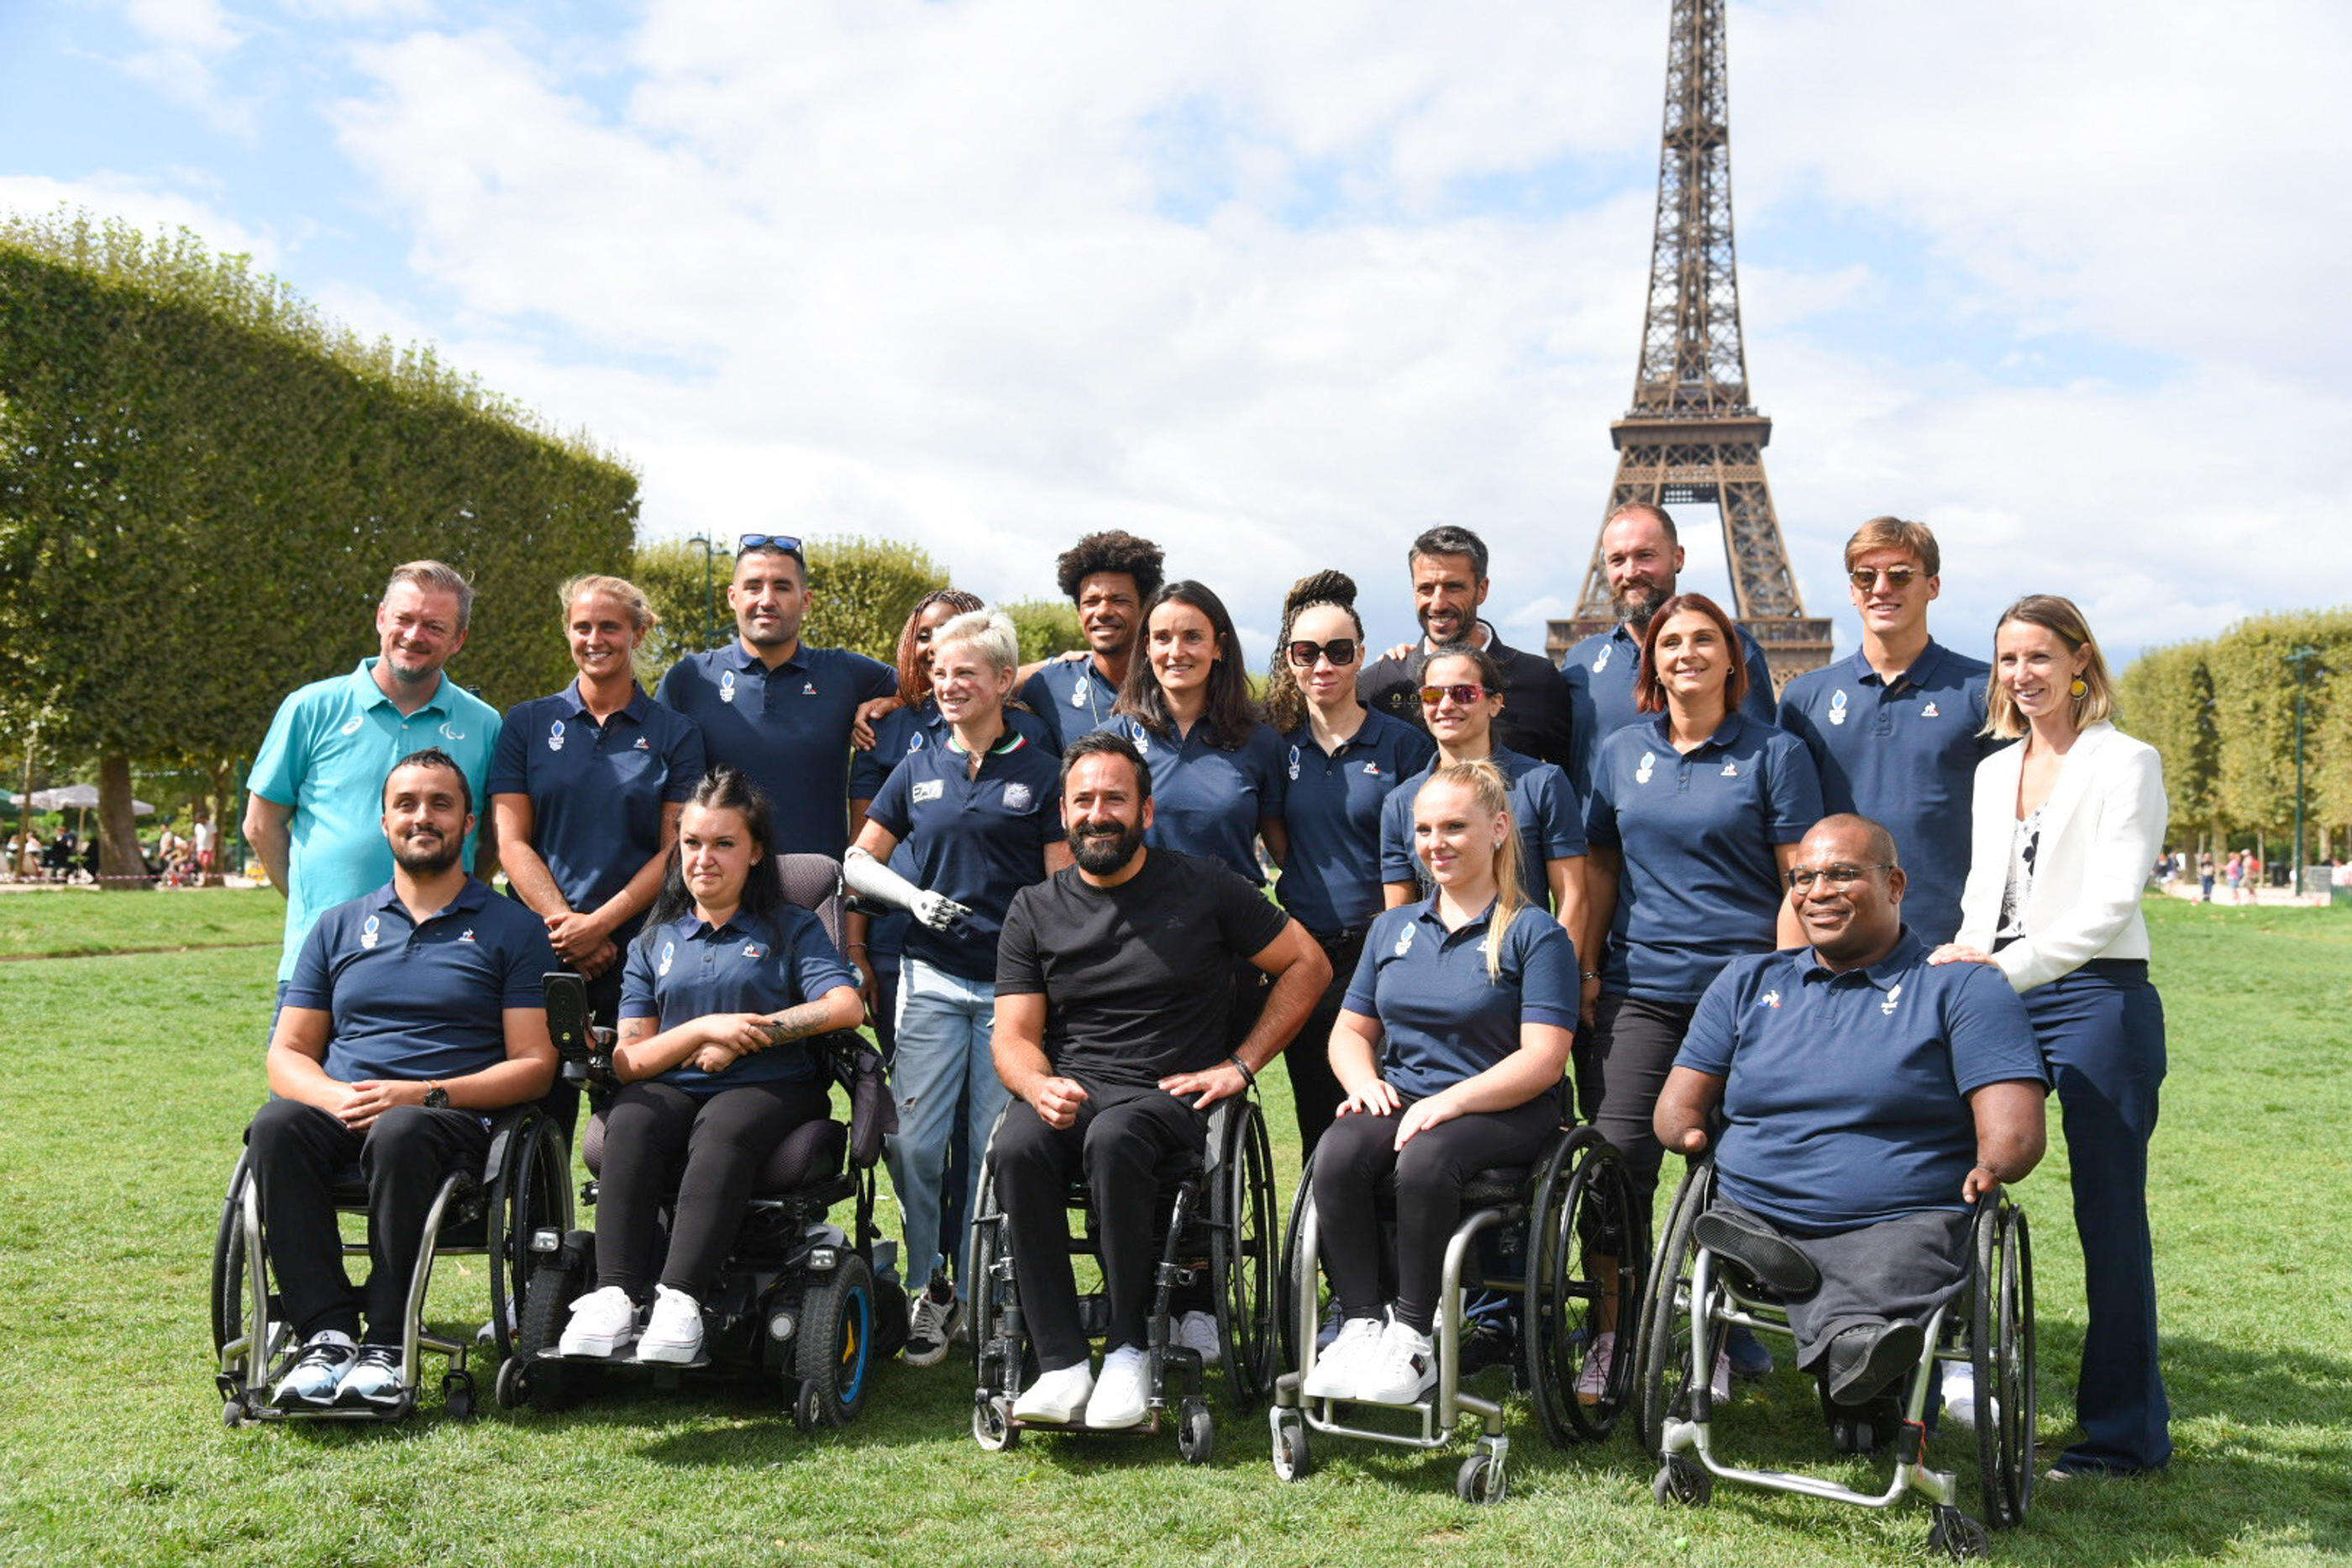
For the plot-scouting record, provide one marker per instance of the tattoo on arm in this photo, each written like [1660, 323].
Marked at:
[798, 1023]
[636, 1029]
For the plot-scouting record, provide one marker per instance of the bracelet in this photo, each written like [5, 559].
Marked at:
[1242, 1067]
[857, 948]
[1592, 975]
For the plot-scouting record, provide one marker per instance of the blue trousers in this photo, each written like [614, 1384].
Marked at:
[2102, 1033]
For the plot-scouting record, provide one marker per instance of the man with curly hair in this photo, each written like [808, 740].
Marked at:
[1108, 576]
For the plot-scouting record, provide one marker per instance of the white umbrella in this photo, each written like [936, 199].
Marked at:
[78, 797]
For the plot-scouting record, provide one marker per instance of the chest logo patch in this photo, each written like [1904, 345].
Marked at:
[1140, 736]
[753, 950]
[1079, 694]
[1404, 942]
[1293, 765]
[352, 725]
[371, 933]
[1768, 999]
[467, 936]
[1930, 711]
[1893, 995]
[451, 732]
[1730, 770]
[1649, 764]
[913, 743]
[1601, 660]
[670, 956]
[1018, 797]
[928, 789]
[1371, 770]
[727, 685]
[555, 736]
[1837, 706]
[642, 745]
[808, 688]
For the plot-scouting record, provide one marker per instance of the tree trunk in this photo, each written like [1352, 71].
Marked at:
[224, 777]
[120, 865]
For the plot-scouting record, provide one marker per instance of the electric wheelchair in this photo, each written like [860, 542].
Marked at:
[800, 1298]
[1517, 1260]
[1215, 1229]
[523, 1189]
[1694, 1297]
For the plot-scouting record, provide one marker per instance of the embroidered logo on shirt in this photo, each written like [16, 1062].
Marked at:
[370, 934]
[1293, 765]
[1079, 694]
[727, 685]
[1730, 770]
[352, 725]
[752, 950]
[451, 732]
[1649, 763]
[1140, 736]
[1017, 797]
[1894, 995]
[1601, 660]
[1837, 707]
[1768, 999]
[642, 746]
[928, 789]
[1404, 942]
[669, 953]
[808, 688]
[1930, 712]
[467, 936]
[1372, 770]
[555, 736]
[913, 743]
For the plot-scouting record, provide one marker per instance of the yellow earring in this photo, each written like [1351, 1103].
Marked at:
[2078, 688]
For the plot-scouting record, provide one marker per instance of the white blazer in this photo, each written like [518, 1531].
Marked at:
[2101, 829]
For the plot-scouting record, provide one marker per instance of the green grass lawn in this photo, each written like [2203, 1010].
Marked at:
[126, 1080]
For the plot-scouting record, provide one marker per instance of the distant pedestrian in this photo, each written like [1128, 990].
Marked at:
[2205, 875]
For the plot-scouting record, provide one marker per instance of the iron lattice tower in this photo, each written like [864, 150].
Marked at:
[1691, 433]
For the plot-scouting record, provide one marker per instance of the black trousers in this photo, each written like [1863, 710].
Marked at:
[1357, 1159]
[299, 1153]
[1895, 1270]
[1633, 1044]
[708, 1150]
[1314, 1092]
[1123, 1140]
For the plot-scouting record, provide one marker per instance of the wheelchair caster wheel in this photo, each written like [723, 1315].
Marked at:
[1683, 1480]
[1291, 1461]
[233, 1412]
[1480, 1480]
[511, 1389]
[457, 1395]
[808, 1407]
[991, 1424]
[1196, 1432]
[1957, 1536]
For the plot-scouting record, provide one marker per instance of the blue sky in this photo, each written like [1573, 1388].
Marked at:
[1281, 284]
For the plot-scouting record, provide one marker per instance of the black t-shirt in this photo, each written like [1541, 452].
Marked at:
[1535, 717]
[1137, 978]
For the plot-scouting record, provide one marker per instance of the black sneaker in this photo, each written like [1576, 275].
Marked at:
[931, 1321]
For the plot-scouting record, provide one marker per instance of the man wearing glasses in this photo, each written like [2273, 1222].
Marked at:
[774, 707]
[1449, 583]
[1896, 730]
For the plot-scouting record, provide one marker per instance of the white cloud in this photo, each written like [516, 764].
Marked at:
[143, 204]
[187, 41]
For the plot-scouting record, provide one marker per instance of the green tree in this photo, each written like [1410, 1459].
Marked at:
[2167, 700]
[1047, 627]
[864, 590]
[687, 589]
[2253, 710]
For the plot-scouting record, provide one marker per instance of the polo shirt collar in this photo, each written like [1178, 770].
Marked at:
[695, 928]
[1662, 727]
[1916, 673]
[469, 897]
[743, 659]
[1429, 913]
[635, 708]
[1014, 740]
[371, 695]
[1899, 959]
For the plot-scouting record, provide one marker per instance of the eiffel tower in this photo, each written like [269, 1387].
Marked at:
[1692, 435]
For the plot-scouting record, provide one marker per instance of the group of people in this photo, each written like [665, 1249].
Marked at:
[1846, 939]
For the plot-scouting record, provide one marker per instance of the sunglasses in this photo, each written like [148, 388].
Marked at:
[1340, 651]
[784, 542]
[1462, 696]
[1897, 576]
[1835, 878]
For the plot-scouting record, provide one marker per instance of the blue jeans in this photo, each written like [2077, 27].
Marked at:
[943, 1071]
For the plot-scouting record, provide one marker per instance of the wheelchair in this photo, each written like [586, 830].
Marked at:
[522, 1188]
[1522, 1244]
[1218, 1228]
[800, 1298]
[1988, 1328]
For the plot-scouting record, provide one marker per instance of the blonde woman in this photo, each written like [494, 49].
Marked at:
[586, 787]
[1451, 1046]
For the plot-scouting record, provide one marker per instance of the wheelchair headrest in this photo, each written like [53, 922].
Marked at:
[814, 882]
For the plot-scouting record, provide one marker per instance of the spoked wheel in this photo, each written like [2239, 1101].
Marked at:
[1957, 1536]
[1583, 1208]
[532, 1193]
[835, 1352]
[229, 1305]
[984, 1292]
[246, 1385]
[2000, 1356]
[1241, 1247]
[1481, 1479]
[991, 1423]
[1662, 1389]
[1289, 1280]
[1683, 1480]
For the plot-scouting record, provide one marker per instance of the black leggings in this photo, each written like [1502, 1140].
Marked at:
[1358, 1158]
[1314, 1092]
[708, 1149]
[1633, 1044]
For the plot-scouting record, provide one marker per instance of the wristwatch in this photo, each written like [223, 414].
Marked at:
[435, 1097]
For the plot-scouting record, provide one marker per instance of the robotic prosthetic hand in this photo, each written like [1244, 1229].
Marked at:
[867, 875]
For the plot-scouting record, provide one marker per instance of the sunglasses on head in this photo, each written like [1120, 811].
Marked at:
[1897, 576]
[785, 542]
[1339, 650]
[1462, 696]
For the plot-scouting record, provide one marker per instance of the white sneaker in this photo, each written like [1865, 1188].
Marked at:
[601, 1322]
[1058, 1397]
[1401, 1371]
[1120, 1394]
[318, 1371]
[1592, 1377]
[673, 1329]
[1198, 1332]
[1719, 1385]
[1960, 1394]
[1338, 1370]
[373, 1380]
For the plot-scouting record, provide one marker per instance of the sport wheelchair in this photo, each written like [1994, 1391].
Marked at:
[1218, 1228]
[1524, 1238]
[800, 1298]
[1988, 1328]
[523, 1187]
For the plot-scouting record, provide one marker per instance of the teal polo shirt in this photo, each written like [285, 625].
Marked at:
[327, 755]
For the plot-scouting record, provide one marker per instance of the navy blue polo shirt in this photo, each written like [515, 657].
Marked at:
[1441, 1019]
[1600, 672]
[415, 1000]
[1206, 800]
[1845, 1100]
[1904, 753]
[1543, 805]
[596, 790]
[1331, 806]
[683, 970]
[977, 839]
[787, 728]
[1700, 884]
[1072, 696]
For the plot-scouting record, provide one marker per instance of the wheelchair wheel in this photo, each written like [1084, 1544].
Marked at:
[530, 1191]
[1292, 1457]
[836, 1345]
[1286, 1280]
[1481, 1479]
[1582, 1206]
[2001, 1355]
[246, 1385]
[1663, 1388]
[996, 1367]
[555, 1284]
[1241, 1247]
